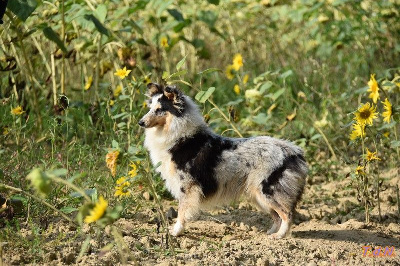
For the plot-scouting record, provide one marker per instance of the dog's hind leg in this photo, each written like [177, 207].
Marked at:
[286, 218]
[188, 208]
[265, 206]
[277, 222]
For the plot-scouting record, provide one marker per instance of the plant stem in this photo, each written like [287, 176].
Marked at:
[162, 212]
[39, 200]
[71, 185]
[398, 201]
[327, 142]
[63, 55]
[395, 135]
[226, 118]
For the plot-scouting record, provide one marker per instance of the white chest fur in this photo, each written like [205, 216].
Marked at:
[158, 148]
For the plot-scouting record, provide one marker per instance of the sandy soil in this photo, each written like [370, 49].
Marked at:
[328, 229]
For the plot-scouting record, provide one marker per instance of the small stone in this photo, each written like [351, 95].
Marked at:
[262, 262]
[69, 259]
[52, 256]
[335, 220]
[243, 227]
[146, 195]
[254, 229]
[186, 244]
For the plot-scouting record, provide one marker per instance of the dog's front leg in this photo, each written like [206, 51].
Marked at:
[188, 208]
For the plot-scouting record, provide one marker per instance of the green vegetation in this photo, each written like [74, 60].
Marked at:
[73, 77]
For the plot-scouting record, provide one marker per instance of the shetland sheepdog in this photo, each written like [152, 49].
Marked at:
[203, 169]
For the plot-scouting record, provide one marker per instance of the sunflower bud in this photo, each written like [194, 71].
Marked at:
[40, 181]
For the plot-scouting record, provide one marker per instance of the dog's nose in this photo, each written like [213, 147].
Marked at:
[141, 123]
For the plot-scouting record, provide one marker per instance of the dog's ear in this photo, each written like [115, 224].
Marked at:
[172, 93]
[176, 97]
[153, 89]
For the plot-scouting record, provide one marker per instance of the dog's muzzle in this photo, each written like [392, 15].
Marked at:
[141, 123]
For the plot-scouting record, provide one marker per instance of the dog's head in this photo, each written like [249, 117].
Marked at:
[164, 103]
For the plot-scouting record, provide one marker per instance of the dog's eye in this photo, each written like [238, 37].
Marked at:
[159, 111]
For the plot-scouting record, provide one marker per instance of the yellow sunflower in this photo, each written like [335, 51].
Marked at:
[388, 111]
[146, 80]
[122, 73]
[17, 111]
[245, 79]
[371, 156]
[111, 160]
[98, 211]
[164, 42]
[89, 82]
[122, 188]
[373, 88]
[229, 72]
[236, 89]
[360, 170]
[366, 114]
[358, 131]
[237, 62]
[117, 91]
[133, 172]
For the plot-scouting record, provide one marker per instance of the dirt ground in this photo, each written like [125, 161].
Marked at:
[328, 229]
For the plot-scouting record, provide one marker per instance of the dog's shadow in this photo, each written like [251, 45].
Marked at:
[355, 236]
[237, 218]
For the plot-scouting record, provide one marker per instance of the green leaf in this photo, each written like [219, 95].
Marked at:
[395, 143]
[119, 115]
[22, 8]
[176, 14]
[59, 172]
[208, 17]
[260, 119]
[202, 96]
[99, 26]
[214, 2]
[179, 73]
[276, 95]
[181, 25]
[162, 6]
[53, 36]
[101, 12]
[68, 209]
[286, 74]
[266, 86]
[136, 27]
[209, 70]
[139, 5]
[89, 192]
[165, 75]
[180, 63]
[115, 144]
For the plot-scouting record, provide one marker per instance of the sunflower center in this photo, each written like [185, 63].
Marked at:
[365, 114]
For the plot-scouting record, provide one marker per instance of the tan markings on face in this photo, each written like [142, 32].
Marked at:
[168, 121]
[156, 120]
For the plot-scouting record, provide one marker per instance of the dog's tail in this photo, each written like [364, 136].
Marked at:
[286, 183]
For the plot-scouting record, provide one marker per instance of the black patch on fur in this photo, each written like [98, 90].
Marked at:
[199, 155]
[167, 105]
[290, 162]
[183, 190]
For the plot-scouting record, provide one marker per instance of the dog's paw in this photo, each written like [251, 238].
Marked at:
[275, 236]
[177, 230]
[273, 229]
